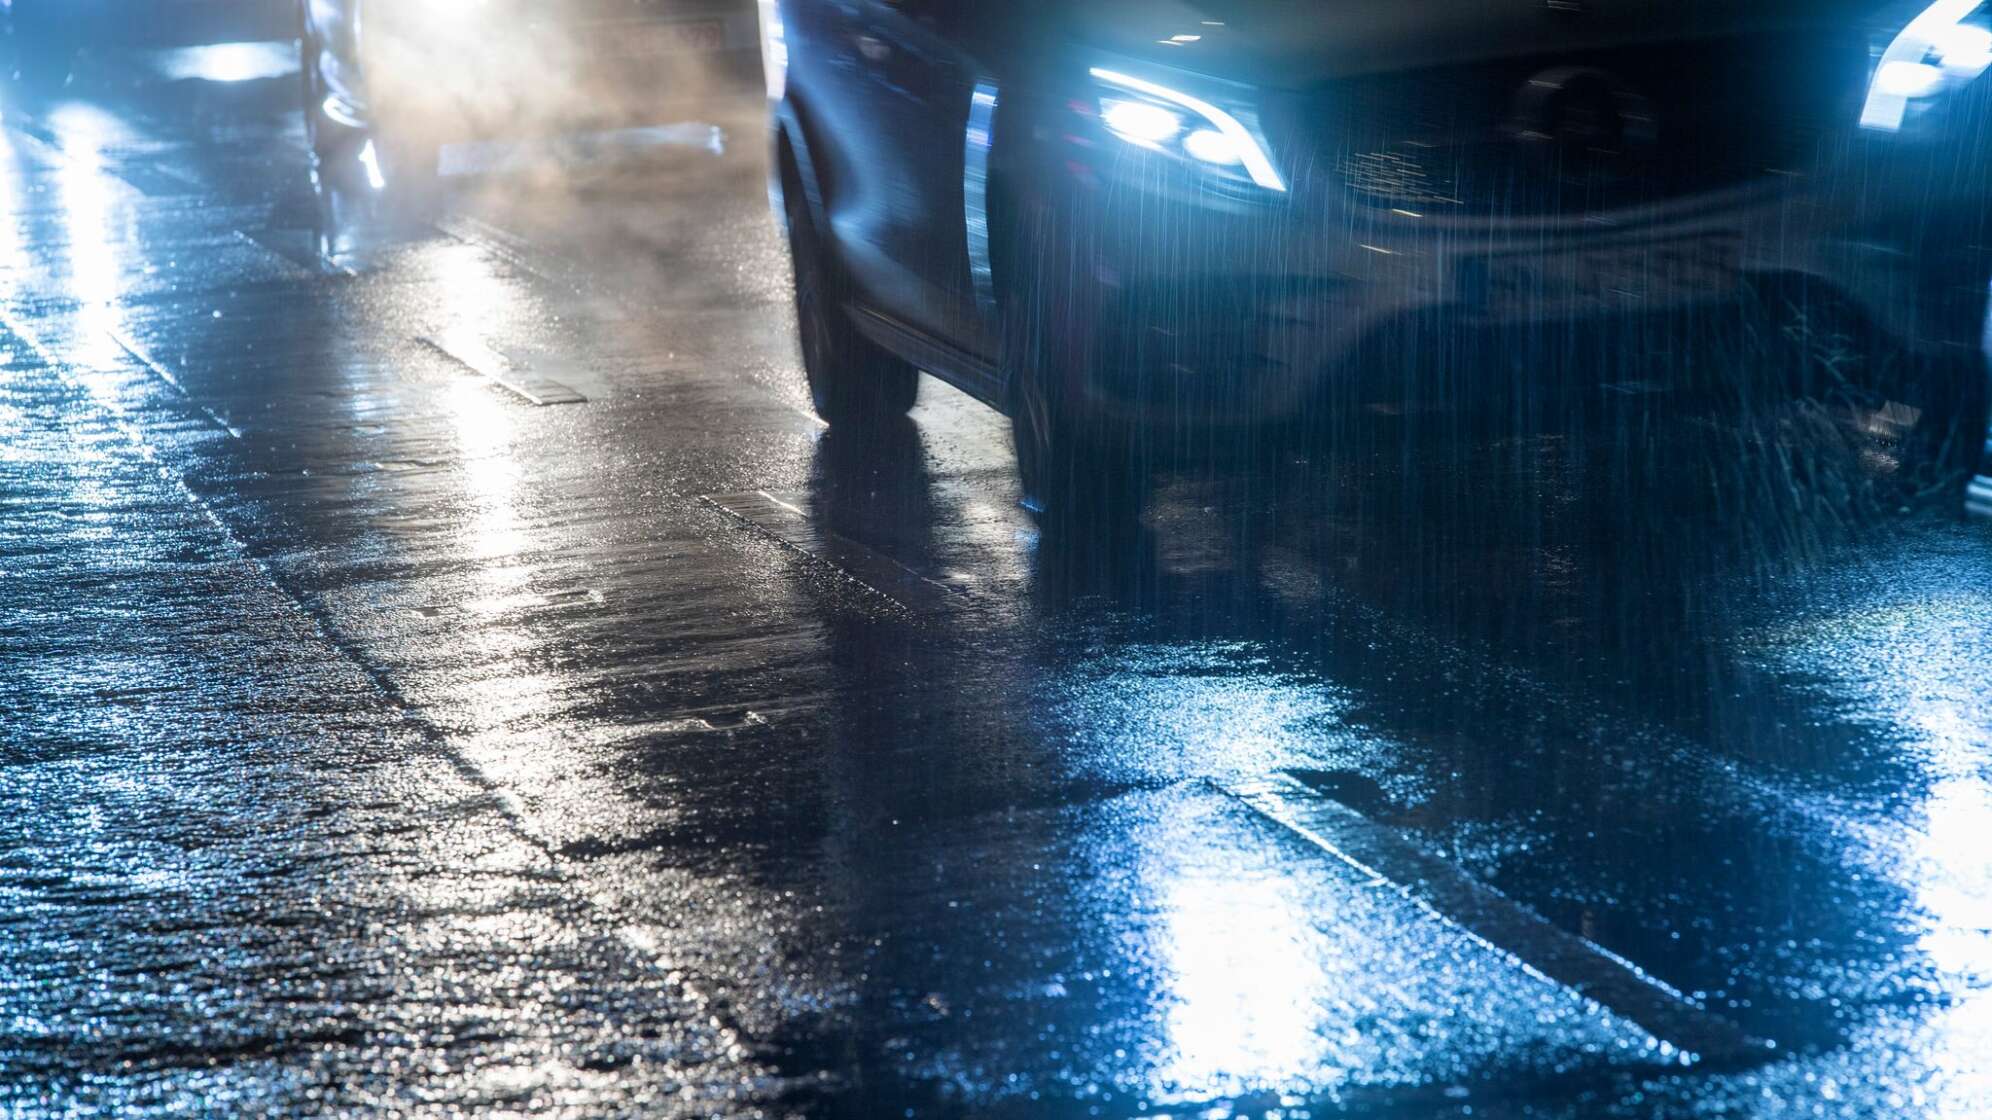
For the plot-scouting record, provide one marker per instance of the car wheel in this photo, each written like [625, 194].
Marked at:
[852, 380]
[1076, 464]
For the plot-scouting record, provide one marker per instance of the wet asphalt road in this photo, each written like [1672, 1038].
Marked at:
[373, 737]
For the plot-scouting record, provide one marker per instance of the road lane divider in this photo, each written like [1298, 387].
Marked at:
[479, 357]
[1686, 1033]
[300, 249]
[785, 518]
[516, 252]
[139, 354]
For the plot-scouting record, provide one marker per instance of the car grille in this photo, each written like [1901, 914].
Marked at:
[1583, 132]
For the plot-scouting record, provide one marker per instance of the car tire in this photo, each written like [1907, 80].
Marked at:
[1077, 465]
[853, 382]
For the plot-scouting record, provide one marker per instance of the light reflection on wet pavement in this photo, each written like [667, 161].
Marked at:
[375, 737]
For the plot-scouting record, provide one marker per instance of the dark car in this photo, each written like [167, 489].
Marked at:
[1133, 224]
[408, 76]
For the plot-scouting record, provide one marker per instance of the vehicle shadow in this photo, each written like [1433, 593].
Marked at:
[1529, 638]
[877, 488]
[1564, 494]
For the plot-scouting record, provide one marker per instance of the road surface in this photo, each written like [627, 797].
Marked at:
[458, 675]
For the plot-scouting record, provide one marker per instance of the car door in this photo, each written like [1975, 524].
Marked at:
[895, 194]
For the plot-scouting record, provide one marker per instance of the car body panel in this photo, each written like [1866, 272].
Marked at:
[1271, 297]
[1280, 43]
[897, 101]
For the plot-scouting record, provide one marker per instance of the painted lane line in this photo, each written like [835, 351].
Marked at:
[298, 248]
[784, 518]
[516, 252]
[132, 347]
[1686, 1033]
[477, 356]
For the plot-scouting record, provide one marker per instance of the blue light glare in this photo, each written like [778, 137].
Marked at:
[1140, 122]
[370, 159]
[1939, 50]
[1147, 126]
[977, 143]
[232, 62]
[1213, 147]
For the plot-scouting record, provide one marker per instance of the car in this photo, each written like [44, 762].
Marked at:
[393, 81]
[44, 36]
[1138, 226]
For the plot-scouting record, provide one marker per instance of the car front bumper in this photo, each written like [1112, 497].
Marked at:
[1218, 311]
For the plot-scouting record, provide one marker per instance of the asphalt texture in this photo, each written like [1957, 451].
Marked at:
[445, 669]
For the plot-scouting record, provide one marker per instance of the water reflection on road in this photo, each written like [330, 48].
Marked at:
[923, 808]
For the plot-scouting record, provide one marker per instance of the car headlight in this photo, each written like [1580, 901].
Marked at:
[1944, 49]
[1186, 127]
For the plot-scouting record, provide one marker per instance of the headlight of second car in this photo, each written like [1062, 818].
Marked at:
[1945, 48]
[1214, 140]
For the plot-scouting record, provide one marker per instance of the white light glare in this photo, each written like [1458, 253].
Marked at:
[1140, 122]
[1966, 50]
[233, 62]
[1256, 163]
[1908, 80]
[1937, 50]
[1213, 147]
[370, 160]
